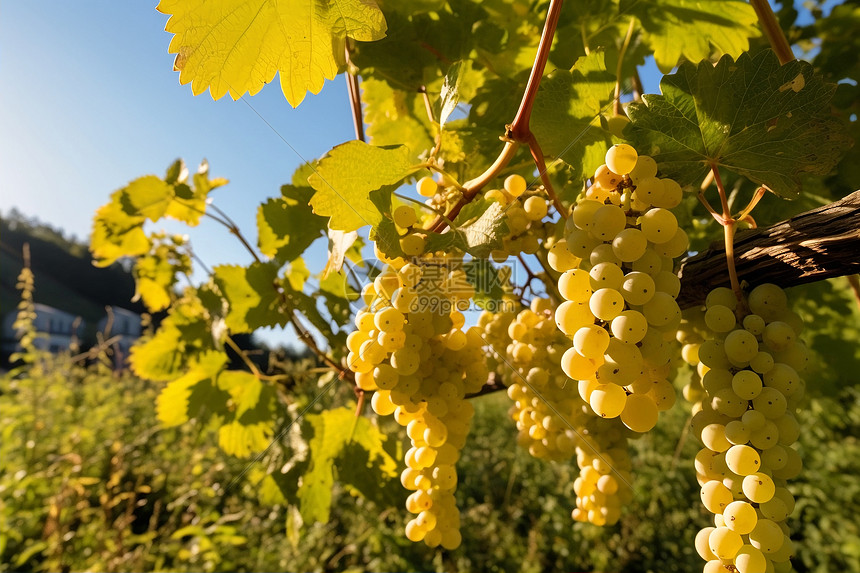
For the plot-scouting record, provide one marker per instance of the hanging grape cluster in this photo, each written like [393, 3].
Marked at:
[751, 361]
[619, 308]
[552, 420]
[411, 349]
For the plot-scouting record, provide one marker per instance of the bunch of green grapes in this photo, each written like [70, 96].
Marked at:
[546, 407]
[411, 350]
[604, 483]
[692, 332]
[525, 213]
[619, 309]
[552, 420]
[439, 196]
[752, 363]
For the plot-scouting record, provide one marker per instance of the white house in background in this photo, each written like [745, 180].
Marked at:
[123, 323]
[58, 329]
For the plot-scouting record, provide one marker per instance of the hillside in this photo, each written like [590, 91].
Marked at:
[65, 276]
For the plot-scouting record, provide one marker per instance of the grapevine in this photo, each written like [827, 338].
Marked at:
[565, 204]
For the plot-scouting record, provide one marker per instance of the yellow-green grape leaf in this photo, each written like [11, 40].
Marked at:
[155, 273]
[479, 229]
[249, 425]
[244, 389]
[297, 274]
[769, 123]
[180, 338]
[339, 247]
[118, 225]
[232, 46]
[148, 196]
[694, 29]
[333, 431]
[337, 293]
[243, 440]
[392, 118]
[252, 293]
[116, 234]
[154, 278]
[173, 403]
[345, 178]
[287, 225]
[566, 115]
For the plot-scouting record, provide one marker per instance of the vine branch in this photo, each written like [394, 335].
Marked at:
[809, 247]
[354, 92]
[518, 132]
[774, 34]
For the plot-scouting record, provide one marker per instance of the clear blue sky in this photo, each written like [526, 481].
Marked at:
[89, 100]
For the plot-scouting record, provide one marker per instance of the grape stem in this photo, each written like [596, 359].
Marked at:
[774, 34]
[429, 109]
[354, 92]
[616, 103]
[518, 132]
[854, 281]
[728, 223]
[251, 366]
[537, 155]
[759, 193]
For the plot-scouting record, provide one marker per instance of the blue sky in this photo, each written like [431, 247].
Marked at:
[89, 100]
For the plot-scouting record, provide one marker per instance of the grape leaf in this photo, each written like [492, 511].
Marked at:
[479, 229]
[754, 117]
[250, 424]
[307, 306]
[487, 280]
[154, 278]
[333, 431]
[450, 95]
[392, 118]
[566, 115]
[179, 340]
[118, 225]
[287, 225]
[155, 272]
[237, 47]
[173, 404]
[339, 244]
[116, 234]
[244, 439]
[297, 274]
[694, 28]
[345, 178]
[252, 293]
[337, 292]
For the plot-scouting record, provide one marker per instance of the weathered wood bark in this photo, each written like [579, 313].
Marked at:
[809, 247]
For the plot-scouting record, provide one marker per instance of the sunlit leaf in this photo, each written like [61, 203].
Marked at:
[252, 293]
[694, 29]
[287, 225]
[333, 430]
[173, 403]
[237, 47]
[345, 178]
[767, 122]
[566, 115]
